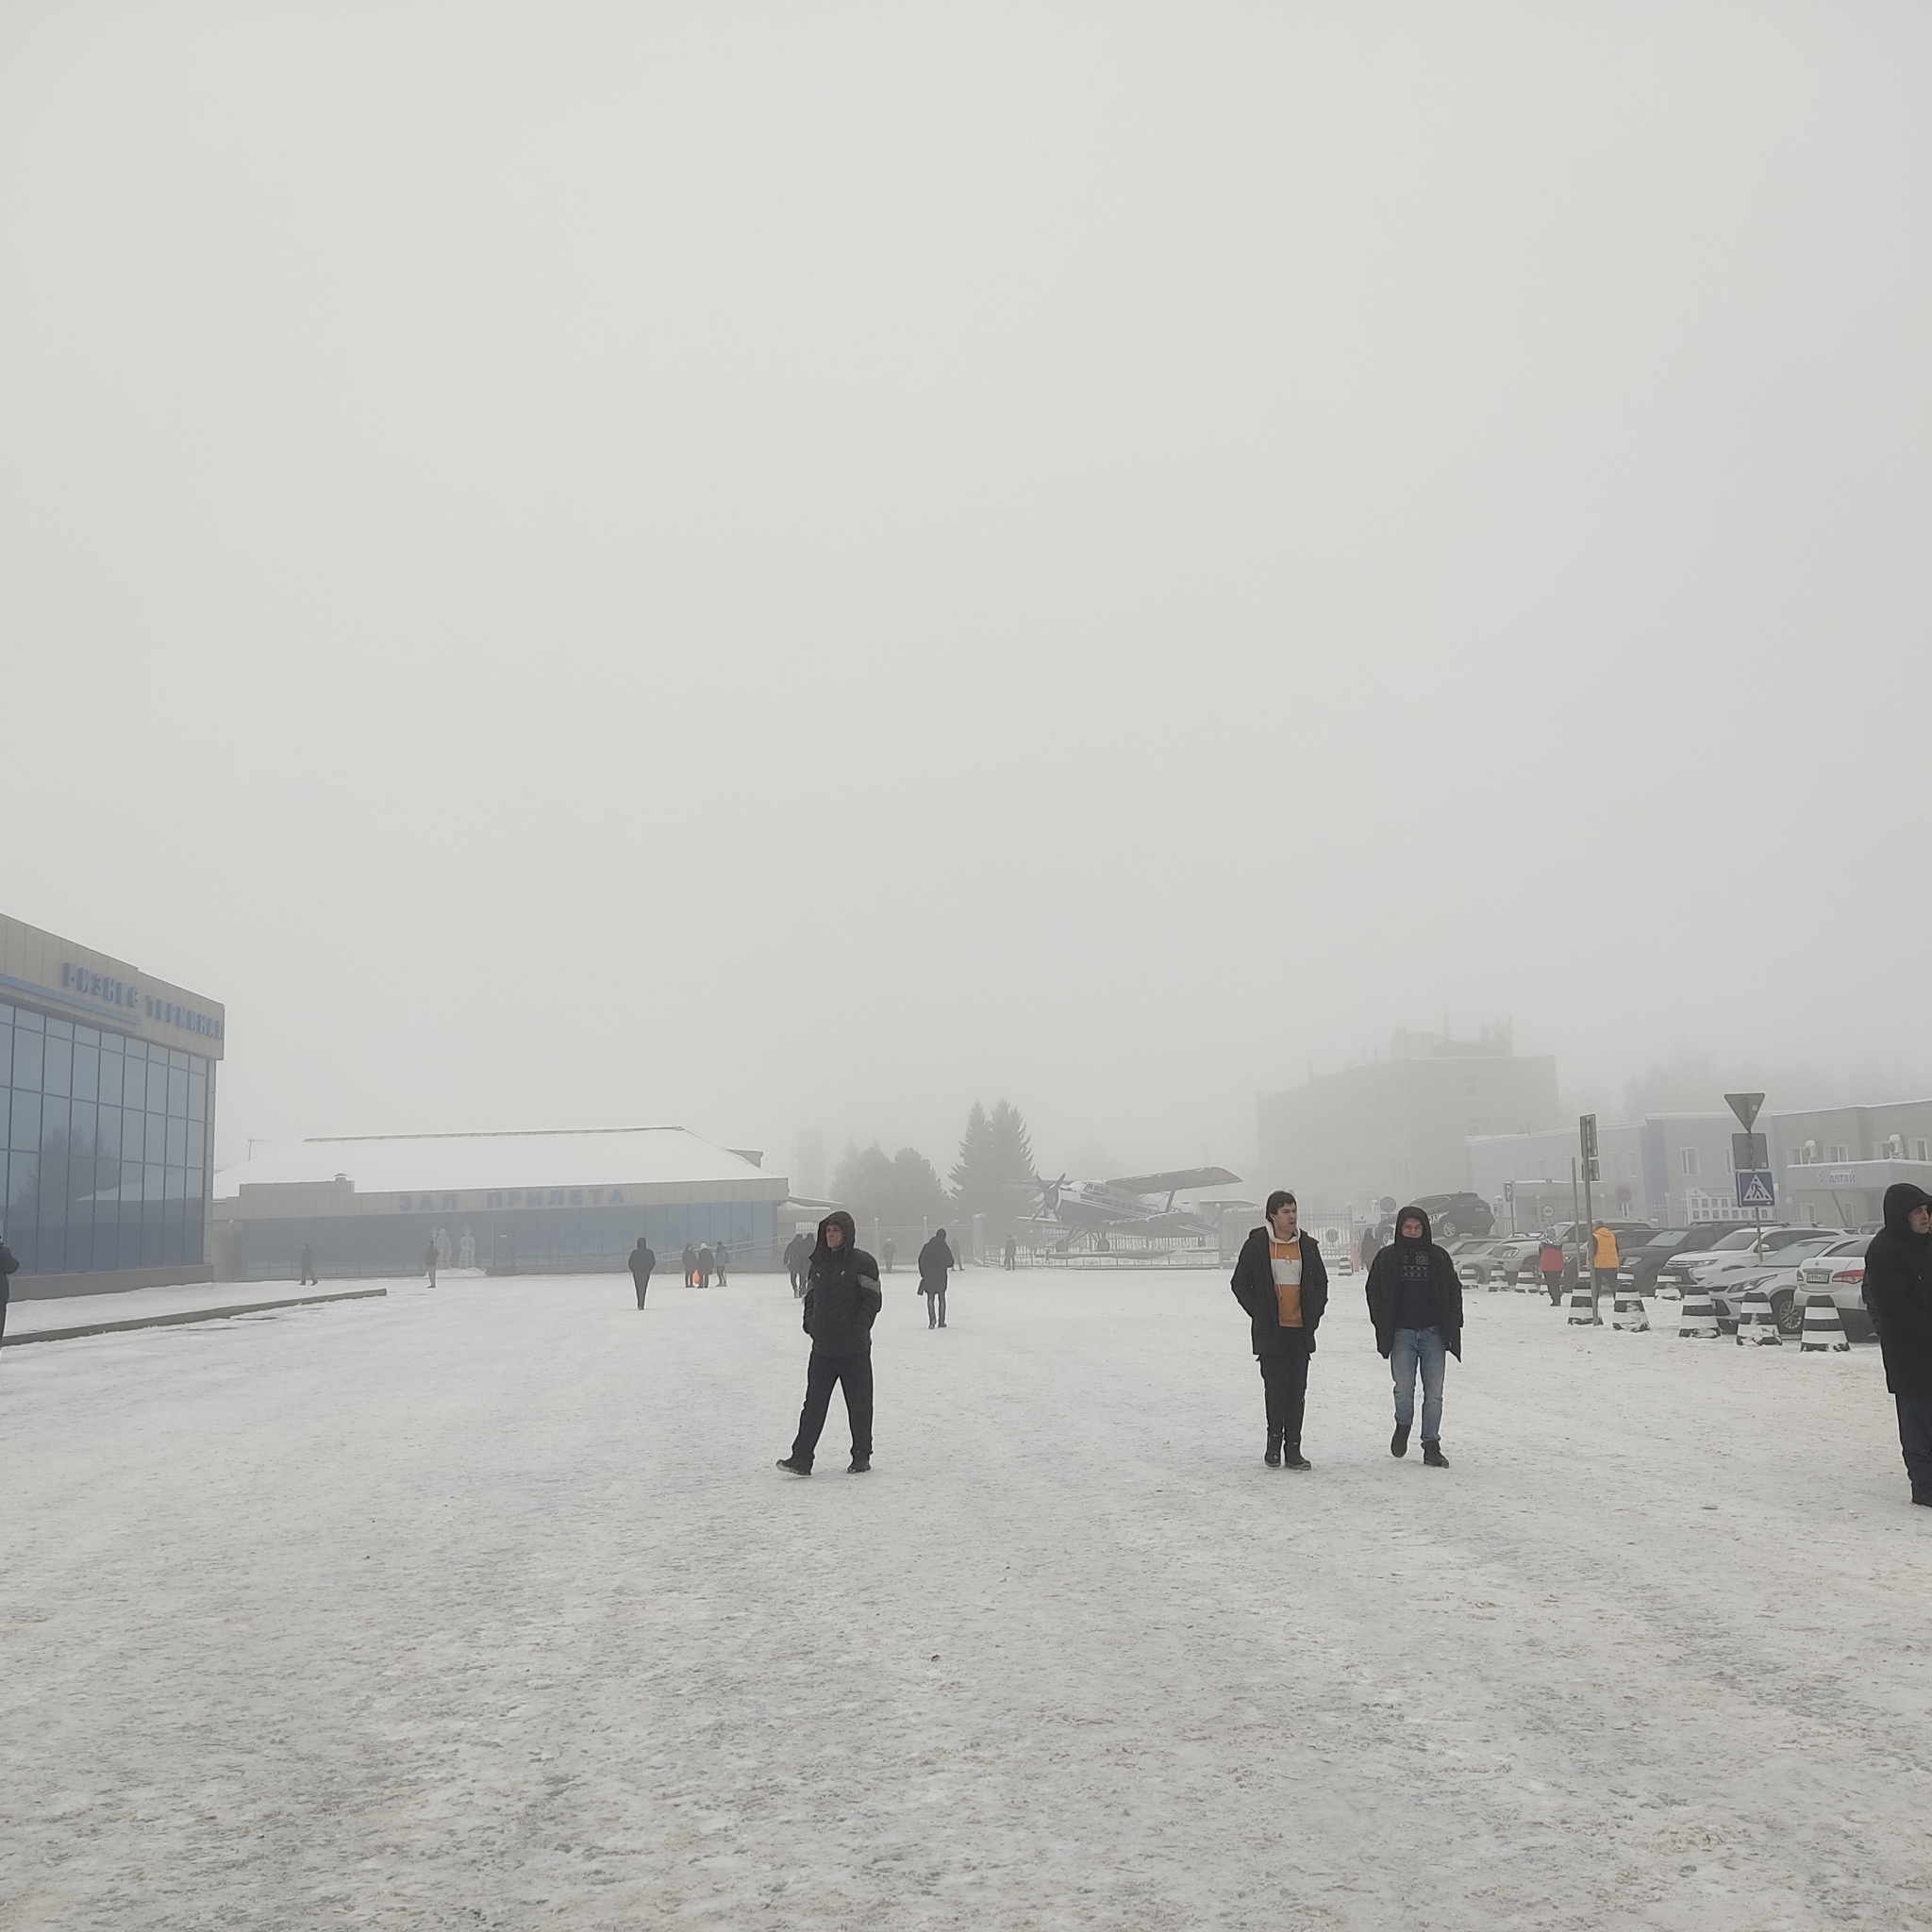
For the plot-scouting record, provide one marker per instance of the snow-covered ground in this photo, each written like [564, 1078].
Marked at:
[143, 1304]
[485, 1606]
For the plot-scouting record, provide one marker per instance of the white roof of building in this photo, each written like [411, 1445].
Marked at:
[411, 1163]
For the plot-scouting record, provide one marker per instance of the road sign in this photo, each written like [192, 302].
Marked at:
[1745, 1106]
[1748, 1151]
[1756, 1188]
[1509, 1192]
[1585, 1128]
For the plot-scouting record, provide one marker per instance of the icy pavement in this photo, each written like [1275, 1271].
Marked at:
[486, 1607]
[144, 1304]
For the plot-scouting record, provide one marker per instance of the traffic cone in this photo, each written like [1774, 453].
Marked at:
[1697, 1320]
[1757, 1324]
[1823, 1331]
[1628, 1313]
[1582, 1314]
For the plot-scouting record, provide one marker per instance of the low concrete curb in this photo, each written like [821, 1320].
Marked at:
[306, 1301]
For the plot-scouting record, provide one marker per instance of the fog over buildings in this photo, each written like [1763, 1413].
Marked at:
[779, 571]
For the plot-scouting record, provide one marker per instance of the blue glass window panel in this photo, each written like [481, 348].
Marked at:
[134, 1083]
[59, 1029]
[177, 1092]
[131, 1136]
[130, 1183]
[177, 1183]
[28, 1049]
[111, 1076]
[108, 1134]
[57, 1075]
[29, 1022]
[151, 1181]
[86, 1035]
[80, 1131]
[197, 1095]
[86, 1071]
[177, 1058]
[25, 1137]
[177, 1143]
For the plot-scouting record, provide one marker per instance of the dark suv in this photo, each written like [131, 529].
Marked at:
[1640, 1265]
[1449, 1215]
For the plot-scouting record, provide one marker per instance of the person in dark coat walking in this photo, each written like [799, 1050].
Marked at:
[842, 1299]
[798, 1253]
[641, 1261]
[690, 1266]
[724, 1254]
[1010, 1255]
[935, 1258]
[1370, 1241]
[429, 1263]
[1898, 1297]
[307, 1268]
[706, 1263]
[10, 1265]
[1415, 1301]
[1281, 1281]
[888, 1250]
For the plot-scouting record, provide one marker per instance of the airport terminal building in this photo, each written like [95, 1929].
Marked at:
[528, 1203]
[108, 1115]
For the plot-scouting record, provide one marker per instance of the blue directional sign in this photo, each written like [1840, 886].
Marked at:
[1756, 1188]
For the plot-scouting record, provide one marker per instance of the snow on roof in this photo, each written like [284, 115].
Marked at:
[410, 1163]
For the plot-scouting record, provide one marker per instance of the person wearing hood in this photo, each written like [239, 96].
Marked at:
[935, 1258]
[1282, 1283]
[1898, 1297]
[641, 1261]
[1415, 1301]
[842, 1298]
[690, 1266]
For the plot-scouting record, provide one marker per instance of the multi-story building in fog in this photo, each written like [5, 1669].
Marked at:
[1400, 1124]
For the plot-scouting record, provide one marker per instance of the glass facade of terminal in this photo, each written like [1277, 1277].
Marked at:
[521, 1239]
[105, 1144]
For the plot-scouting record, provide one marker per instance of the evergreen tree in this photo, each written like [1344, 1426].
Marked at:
[994, 1176]
[901, 1194]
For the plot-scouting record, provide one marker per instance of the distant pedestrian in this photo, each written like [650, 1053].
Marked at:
[1370, 1241]
[307, 1268]
[888, 1250]
[707, 1261]
[1603, 1263]
[724, 1255]
[641, 1261]
[1549, 1264]
[1415, 1301]
[1011, 1253]
[1282, 1282]
[798, 1253]
[935, 1259]
[842, 1298]
[1898, 1297]
[429, 1263]
[10, 1265]
[690, 1266]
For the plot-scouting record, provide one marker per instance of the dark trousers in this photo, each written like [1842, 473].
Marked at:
[1285, 1388]
[935, 1300]
[641, 1282]
[852, 1373]
[1553, 1280]
[1914, 1437]
[309, 1279]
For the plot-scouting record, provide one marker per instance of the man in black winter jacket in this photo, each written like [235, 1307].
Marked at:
[935, 1259]
[1281, 1282]
[1415, 1301]
[641, 1261]
[842, 1298]
[1898, 1297]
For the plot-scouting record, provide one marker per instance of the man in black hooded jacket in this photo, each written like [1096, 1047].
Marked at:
[842, 1298]
[1898, 1297]
[1282, 1282]
[1415, 1301]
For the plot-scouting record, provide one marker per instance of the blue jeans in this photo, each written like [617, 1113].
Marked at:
[1419, 1348]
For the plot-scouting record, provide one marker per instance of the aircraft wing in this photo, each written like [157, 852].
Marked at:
[1173, 1182]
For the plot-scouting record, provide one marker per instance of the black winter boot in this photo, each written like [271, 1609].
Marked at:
[1398, 1442]
[1272, 1459]
[1291, 1457]
[792, 1468]
[1433, 1456]
[859, 1465]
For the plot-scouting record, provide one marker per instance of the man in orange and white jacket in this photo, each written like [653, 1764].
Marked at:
[1281, 1282]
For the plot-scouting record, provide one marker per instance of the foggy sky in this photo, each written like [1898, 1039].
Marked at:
[772, 568]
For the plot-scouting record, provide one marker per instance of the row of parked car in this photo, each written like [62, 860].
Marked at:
[1790, 1265]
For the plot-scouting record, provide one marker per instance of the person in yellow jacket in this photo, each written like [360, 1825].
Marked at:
[1604, 1262]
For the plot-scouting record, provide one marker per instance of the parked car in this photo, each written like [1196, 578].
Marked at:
[1775, 1272]
[1515, 1263]
[1450, 1215]
[1640, 1265]
[1838, 1272]
[1476, 1263]
[1687, 1269]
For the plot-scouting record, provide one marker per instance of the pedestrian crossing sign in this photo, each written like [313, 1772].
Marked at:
[1756, 1188]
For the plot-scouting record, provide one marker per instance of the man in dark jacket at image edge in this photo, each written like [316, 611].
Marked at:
[1415, 1301]
[1898, 1297]
[842, 1298]
[1282, 1283]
